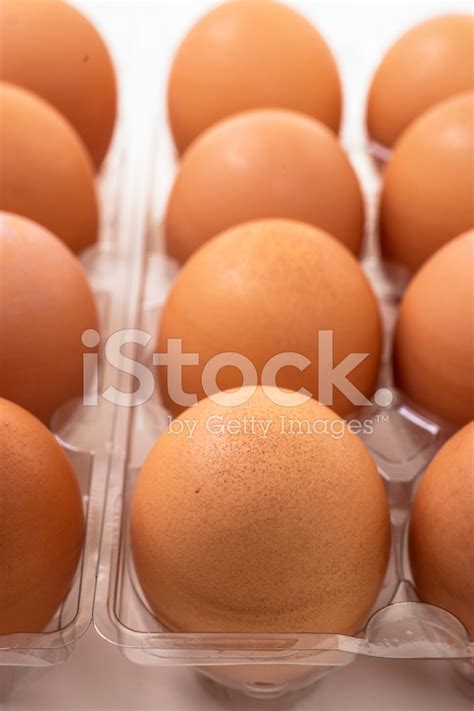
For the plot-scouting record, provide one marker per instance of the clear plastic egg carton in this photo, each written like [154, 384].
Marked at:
[87, 434]
[403, 441]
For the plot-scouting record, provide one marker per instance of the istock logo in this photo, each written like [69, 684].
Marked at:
[175, 359]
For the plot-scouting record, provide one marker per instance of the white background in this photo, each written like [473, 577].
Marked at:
[97, 676]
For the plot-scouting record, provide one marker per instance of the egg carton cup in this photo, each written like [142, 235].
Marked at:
[87, 433]
[403, 442]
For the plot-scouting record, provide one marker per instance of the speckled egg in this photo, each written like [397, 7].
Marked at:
[264, 289]
[260, 530]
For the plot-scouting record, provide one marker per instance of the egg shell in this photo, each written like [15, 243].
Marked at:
[263, 164]
[442, 529]
[46, 171]
[247, 55]
[244, 533]
[434, 338]
[46, 305]
[428, 187]
[431, 62]
[51, 49]
[41, 526]
[266, 288]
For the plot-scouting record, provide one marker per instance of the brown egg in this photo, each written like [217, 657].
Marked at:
[41, 526]
[51, 49]
[429, 63]
[46, 305]
[434, 340]
[442, 529]
[266, 288]
[46, 172]
[428, 188]
[236, 531]
[249, 55]
[263, 164]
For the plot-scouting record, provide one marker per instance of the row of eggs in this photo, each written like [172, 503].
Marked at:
[290, 277]
[302, 546]
[260, 289]
[240, 56]
[241, 85]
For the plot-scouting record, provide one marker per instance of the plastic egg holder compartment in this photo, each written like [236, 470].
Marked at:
[269, 665]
